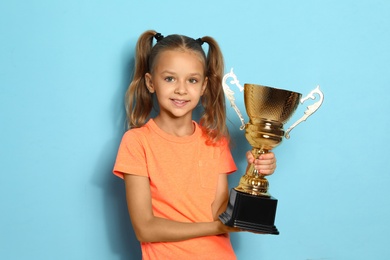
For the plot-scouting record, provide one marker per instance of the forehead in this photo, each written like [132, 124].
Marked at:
[184, 59]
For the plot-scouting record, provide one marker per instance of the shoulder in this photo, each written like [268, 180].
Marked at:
[137, 132]
[222, 142]
[135, 137]
[216, 148]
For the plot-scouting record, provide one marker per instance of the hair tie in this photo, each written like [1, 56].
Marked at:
[200, 41]
[158, 37]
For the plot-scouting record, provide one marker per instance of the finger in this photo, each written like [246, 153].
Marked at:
[266, 169]
[267, 172]
[265, 161]
[269, 155]
[270, 166]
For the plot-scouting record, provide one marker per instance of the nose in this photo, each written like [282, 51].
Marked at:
[181, 88]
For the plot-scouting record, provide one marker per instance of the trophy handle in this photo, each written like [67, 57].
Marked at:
[230, 94]
[310, 109]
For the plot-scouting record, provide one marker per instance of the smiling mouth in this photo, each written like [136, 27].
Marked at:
[178, 102]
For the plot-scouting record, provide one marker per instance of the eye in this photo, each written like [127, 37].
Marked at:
[169, 79]
[193, 81]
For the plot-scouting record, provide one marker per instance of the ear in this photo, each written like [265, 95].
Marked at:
[148, 82]
[204, 85]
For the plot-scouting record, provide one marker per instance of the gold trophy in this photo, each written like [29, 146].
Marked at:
[250, 206]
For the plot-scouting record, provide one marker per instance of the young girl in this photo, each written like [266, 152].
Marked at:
[175, 170]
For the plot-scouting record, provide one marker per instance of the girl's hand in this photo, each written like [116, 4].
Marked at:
[266, 164]
[227, 229]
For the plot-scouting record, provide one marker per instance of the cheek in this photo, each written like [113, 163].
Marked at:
[198, 90]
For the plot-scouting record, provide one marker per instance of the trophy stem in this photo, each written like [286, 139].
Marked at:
[252, 182]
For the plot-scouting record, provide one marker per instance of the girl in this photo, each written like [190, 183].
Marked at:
[175, 170]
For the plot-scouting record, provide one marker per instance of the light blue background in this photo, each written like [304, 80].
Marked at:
[64, 69]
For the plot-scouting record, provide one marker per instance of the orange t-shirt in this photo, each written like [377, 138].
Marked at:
[183, 174]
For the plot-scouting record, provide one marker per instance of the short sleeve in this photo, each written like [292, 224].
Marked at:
[226, 159]
[131, 158]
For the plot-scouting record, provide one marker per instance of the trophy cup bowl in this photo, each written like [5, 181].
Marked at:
[250, 206]
[268, 110]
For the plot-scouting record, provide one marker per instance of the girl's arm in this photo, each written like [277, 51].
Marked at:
[149, 228]
[221, 197]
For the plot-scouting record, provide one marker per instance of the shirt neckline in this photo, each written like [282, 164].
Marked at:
[172, 138]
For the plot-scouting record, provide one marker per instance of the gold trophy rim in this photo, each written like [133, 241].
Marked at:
[273, 88]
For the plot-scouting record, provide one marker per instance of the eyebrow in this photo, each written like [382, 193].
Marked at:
[171, 72]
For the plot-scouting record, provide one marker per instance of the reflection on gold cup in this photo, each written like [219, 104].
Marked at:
[250, 206]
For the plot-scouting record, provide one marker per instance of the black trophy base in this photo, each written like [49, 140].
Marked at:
[251, 213]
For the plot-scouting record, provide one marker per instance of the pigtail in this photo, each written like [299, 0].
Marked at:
[213, 119]
[139, 101]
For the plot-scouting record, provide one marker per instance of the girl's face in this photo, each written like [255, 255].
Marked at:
[178, 80]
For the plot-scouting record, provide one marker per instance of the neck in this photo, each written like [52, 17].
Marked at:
[177, 127]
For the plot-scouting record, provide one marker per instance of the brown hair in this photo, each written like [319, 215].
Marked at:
[139, 101]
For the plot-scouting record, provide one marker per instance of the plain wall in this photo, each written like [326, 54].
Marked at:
[64, 69]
